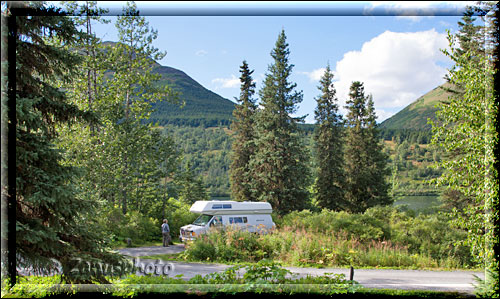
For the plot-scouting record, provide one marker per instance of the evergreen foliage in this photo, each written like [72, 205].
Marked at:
[91, 168]
[53, 227]
[328, 146]
[281, 174]
[365, 163]
[243, 138]
[190, 188]
[208, 152]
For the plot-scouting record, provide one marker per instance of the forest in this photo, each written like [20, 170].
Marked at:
[93, 169]
[410, 157]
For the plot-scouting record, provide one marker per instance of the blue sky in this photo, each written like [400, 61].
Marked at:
[392, 47]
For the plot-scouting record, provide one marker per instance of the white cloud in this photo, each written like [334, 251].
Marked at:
[201, 53]
[396, 68]
[226, 82]
[314, 75]
[382, 115]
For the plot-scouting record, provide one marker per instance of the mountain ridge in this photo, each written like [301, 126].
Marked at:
[415, 115]
[202, 107]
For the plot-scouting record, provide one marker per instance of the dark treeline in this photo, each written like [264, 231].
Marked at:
[193, 121]
[411, 135]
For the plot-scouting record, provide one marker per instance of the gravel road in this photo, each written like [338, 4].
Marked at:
[457, 281]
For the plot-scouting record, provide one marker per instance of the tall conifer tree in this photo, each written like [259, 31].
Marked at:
[328, 137]
[377, 168]
[365, 163]
[279, 165]
[52, 225]
[243, 139]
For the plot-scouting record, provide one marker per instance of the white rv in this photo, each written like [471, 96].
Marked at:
[250, 216]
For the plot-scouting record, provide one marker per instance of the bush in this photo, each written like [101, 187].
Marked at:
[381, 237]
[132, 225]
[364, 227]
[226, 245]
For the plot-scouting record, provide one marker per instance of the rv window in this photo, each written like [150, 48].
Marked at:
[221, 206]
[202, 220]
[217, 221]
[238, 220]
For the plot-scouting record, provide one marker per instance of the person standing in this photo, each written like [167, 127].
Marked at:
[165, 230]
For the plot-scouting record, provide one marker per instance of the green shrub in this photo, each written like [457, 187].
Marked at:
[227, 245]
[360, 226]
[201, 249]
[132, 225]
[381, 237]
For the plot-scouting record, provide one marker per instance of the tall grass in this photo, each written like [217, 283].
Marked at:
[381, 237]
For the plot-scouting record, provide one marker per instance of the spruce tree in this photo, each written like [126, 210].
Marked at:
[190, 188]
[279, 165]
[354, 149]
[53, 227]
[470, 35]
[243, 138]
[365, 164]
[377, 167]
[328, 145]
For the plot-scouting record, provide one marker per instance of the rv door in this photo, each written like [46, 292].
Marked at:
[216, 221]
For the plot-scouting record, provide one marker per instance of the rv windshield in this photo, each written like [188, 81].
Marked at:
[202, 220]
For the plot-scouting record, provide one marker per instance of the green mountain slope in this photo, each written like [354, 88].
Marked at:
[415, 115]
[202, 106]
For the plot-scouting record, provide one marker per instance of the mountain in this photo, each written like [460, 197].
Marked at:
[202, 107]
[415, 115]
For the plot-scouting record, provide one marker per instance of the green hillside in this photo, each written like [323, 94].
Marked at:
[202, 107]
[415, 115]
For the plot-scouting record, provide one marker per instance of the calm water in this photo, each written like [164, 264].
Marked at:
[419, 203]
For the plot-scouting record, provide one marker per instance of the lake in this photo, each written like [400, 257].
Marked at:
[419, 203]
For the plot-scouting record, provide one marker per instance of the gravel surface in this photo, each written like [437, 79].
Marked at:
[457, 281]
